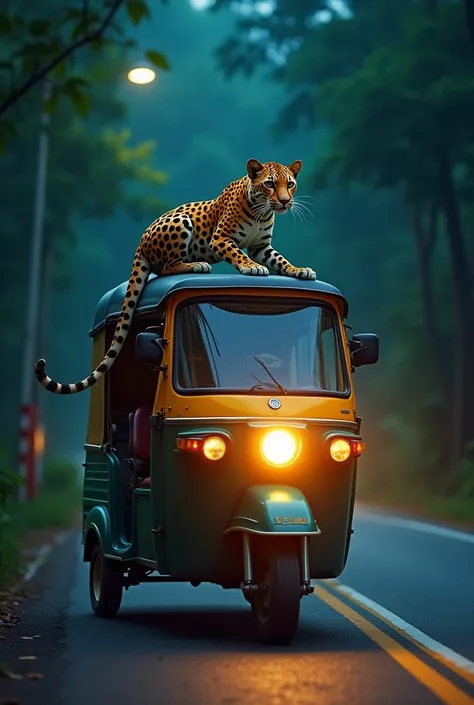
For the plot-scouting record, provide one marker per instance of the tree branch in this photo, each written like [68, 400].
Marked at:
[38, 76]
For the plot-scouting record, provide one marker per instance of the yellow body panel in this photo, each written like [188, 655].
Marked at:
[95, 428]
[178, 406]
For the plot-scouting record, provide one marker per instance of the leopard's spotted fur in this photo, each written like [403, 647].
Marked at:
[190, 237]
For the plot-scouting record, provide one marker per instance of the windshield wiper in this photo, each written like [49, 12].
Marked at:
[261, 362]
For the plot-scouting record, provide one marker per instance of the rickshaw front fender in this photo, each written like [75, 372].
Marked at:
[273, 510]
[97, 530]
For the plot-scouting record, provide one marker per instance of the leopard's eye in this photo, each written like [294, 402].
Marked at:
[268, 184]
[291, 184]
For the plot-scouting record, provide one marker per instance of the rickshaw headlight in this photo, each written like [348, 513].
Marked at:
[280, 448]
[214, 447]
[341, 449]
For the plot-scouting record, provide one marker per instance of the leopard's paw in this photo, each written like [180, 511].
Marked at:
[255, 270]
[302, 273]
[202, 268]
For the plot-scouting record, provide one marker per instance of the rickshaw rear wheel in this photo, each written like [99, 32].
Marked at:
[276, 606]
[105, 584]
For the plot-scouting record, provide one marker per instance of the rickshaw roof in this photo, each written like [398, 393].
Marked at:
[157, 289]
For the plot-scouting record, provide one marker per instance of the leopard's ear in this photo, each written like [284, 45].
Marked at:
[254, 168]
[296, 167]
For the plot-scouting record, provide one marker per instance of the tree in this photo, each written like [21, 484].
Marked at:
[390, 82]
[410, 125]
[95, 168]
[38, 44]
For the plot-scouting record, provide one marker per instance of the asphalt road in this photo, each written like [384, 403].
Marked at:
[396, 628]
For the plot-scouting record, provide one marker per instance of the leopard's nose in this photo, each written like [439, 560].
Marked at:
[284, 201]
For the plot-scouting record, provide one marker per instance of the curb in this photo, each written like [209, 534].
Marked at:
[42, 553]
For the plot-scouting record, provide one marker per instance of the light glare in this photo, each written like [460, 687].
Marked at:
[279, 448]
[201, 4]
[141, 75]
[279, 497]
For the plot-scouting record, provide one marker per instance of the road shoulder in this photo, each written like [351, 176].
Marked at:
[31, 646]
[415, 514]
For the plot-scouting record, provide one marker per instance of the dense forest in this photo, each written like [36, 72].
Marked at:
[375, 96]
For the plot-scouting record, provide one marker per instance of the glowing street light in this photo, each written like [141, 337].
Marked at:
[141, 75]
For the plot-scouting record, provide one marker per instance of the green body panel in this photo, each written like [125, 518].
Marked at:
[142, 524]
[98, 521]
[104, 500]
[273, 509]
[188, 521]
[194, 499]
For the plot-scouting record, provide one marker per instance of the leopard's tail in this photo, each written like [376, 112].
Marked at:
[138, 278]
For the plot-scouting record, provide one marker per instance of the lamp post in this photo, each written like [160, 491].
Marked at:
[28, 441]
[31, 440]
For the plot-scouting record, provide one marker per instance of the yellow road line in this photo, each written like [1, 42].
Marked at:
[427, 676]
[433, 654]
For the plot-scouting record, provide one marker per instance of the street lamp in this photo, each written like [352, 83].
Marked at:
[31, 433]
[141, 75]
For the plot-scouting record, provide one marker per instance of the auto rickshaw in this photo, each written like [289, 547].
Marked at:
[222, 445]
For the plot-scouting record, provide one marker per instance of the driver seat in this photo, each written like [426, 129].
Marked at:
[140, 440]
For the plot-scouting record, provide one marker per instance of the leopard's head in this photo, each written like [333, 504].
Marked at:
[272, 186]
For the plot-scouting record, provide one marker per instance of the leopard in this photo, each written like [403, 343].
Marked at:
[192, 237]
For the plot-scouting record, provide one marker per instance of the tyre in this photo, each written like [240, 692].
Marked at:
[276, 606]
[105, 584]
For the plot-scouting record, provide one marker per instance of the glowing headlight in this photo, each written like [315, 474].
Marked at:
[213, 447]
[340, 450]
[280, 448]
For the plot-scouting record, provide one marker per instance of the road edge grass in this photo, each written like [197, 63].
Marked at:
[455, 511]
[27, 524]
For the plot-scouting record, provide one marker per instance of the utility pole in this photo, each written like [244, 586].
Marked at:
[39, 397]
[27, 451]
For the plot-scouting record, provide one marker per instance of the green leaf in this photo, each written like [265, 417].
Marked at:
[80, 100]
[39, 28]
[157, 59]
[137, 10]
[76, 81]
[79, 30]
[60, 70]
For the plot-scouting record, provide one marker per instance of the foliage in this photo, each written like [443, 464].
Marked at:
[95, 169]
[390, 82]
[56, 506]
[406, 98]
[92, 171]
[40, 44]
[410, 125]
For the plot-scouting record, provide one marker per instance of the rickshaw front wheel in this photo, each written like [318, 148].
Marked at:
[276, 606]
[105, 584]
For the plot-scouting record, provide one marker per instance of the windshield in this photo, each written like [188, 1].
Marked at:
[242, 345]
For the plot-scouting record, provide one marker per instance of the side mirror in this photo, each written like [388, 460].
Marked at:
[364, 349]
[149, 349]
